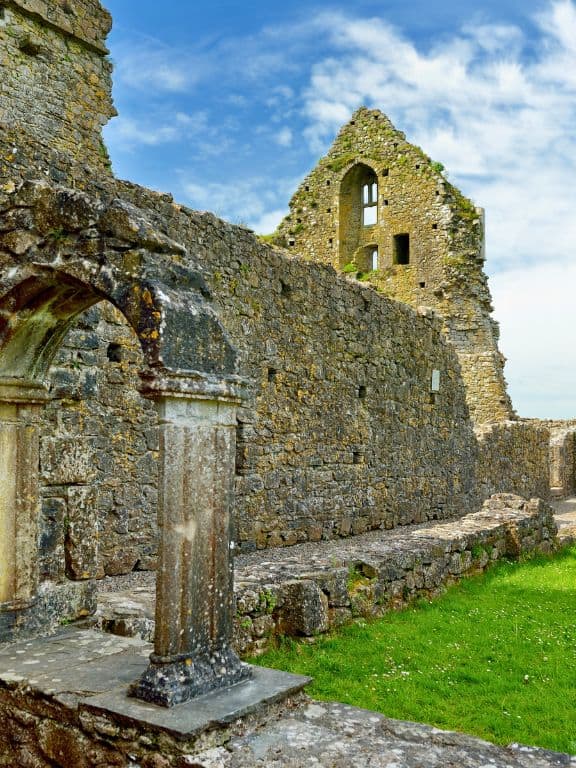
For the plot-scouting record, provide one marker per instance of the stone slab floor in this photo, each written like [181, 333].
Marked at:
[85, 672]
[338, 736]
[565, 515]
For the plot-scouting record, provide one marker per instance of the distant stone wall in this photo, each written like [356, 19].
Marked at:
[562, 455]
[440, 263]
[513, 458]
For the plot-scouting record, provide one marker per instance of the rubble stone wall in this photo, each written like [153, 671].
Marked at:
[341, 432]
[55, 91]
[513, 457]
[562, 455]
[98, 457]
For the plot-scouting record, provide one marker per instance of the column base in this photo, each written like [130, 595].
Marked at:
[171, 681]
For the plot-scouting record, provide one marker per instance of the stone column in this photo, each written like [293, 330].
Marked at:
[20, 407]
[194, 588]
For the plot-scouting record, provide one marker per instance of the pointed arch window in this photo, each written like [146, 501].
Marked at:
[370, 202]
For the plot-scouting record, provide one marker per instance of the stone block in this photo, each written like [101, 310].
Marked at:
[66, 461]
[51, 542]
[82, 535]
[304, 609]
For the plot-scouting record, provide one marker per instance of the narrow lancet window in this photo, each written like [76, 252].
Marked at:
[370, 203]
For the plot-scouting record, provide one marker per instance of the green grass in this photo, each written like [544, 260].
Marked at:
[494, 657]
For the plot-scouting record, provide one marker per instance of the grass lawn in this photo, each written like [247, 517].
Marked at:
[495, 657]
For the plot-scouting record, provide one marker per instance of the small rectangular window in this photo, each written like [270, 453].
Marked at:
[402, 248]
[375, 259]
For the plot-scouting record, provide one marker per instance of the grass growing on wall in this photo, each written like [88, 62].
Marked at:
[494, 657]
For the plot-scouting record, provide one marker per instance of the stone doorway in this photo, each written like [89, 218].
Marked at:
[74, 253]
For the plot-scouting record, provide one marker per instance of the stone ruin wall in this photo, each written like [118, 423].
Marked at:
[55, 90]
[562, 455]
[98, 456]
[446, 244]
[513, 458]
[340, 433]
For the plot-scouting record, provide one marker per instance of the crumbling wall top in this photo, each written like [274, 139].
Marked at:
[86, 20]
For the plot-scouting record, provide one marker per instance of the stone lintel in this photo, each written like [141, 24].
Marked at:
[191, 385]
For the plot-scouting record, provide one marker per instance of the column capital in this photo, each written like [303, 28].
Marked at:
[16, 390]
[158, 383]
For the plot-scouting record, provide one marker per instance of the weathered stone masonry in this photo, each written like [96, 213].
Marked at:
[341, 432]
[55, 91]
[152, 358]
[377, 207]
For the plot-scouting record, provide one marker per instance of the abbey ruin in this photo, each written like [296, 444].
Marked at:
[174, 391]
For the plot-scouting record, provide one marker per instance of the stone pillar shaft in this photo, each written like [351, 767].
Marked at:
[194, 589]
[20, 407]
[194, 581]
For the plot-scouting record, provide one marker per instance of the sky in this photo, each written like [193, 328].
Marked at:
[228, 105]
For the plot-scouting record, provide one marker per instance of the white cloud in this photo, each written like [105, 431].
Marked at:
[128, 133]
[536, 311]
[268, 222]
[253, 201]
[284, 137]
[241, 202]
[149, 65]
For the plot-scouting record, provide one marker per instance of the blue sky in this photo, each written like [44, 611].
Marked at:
[228, 105]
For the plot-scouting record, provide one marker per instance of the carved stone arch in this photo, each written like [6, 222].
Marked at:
[60, 253]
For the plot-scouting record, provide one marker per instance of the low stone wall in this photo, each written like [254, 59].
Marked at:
[513, 457]
[308, 589]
